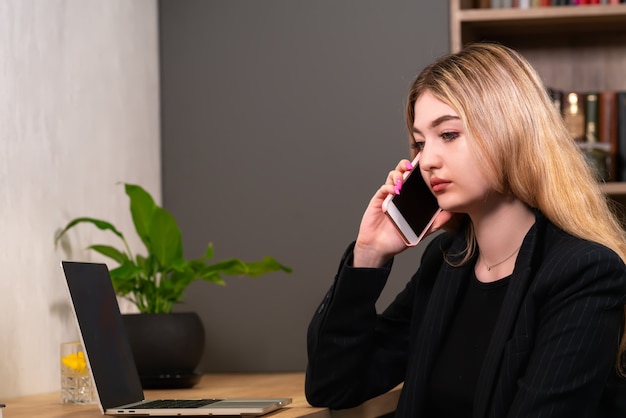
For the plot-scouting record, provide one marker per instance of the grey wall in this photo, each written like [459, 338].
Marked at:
[280, 119]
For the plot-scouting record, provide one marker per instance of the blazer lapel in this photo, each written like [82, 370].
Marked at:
[440, 308]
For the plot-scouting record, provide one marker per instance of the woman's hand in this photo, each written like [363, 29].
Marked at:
[378, 240]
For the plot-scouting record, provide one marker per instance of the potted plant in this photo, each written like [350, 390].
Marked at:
[154, 283]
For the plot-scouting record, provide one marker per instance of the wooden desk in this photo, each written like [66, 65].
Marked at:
[287, 385]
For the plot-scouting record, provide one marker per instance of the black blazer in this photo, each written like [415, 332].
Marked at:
[553, 349]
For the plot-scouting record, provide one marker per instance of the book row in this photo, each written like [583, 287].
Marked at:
[597, 122]
[525, 4]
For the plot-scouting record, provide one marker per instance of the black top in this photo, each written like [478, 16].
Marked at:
[455, 373]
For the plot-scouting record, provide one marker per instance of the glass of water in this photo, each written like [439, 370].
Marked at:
[76, 382]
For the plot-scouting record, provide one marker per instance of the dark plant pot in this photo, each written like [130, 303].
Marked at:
[167, 348]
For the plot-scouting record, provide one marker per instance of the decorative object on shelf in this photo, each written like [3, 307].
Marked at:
[574, 117]
[154, 283]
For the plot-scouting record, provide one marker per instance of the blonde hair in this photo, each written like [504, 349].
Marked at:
[521, 140]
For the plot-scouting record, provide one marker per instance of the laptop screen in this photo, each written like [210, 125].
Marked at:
[103, 333]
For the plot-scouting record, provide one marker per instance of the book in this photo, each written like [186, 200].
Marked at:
[621, 135]
[607, 129]
[591, 117]
[596, 153]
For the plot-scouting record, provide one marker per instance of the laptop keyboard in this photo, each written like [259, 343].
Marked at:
[175, 403]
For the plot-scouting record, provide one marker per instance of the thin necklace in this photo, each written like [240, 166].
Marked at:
[489, 267]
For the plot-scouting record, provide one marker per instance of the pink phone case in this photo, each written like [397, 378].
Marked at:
[410, 236]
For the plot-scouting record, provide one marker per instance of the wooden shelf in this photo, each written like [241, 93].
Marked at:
[557, 15]
[566, 24]
[539, 22]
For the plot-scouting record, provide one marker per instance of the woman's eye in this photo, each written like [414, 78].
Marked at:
[419, 146]
[449, 136]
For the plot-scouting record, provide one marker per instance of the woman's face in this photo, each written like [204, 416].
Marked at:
[446, 163]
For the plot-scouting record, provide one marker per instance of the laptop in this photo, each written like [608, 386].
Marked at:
[111, 362]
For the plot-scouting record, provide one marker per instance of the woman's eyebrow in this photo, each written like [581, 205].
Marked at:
[437, 122]
[442, 119]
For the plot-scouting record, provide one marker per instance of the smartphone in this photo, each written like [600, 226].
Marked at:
[414, 209]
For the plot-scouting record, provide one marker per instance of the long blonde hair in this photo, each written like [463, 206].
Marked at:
[521, 140]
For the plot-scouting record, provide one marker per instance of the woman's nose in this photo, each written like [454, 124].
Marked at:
[428, 157]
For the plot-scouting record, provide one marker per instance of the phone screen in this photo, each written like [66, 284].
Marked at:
[416, 202]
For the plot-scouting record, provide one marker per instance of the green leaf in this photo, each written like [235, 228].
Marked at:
[165, 238]
[235, 267]
[209, 252]
[268, 264]
[127, 270]
[110, 252]
[127, 278]
[103, 225]
[142, 208]
[232, 267]
[174, 284]
[179, 264]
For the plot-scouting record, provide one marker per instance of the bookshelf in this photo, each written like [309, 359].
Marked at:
[574, 48]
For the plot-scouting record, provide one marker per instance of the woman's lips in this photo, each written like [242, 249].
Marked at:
[438, 185]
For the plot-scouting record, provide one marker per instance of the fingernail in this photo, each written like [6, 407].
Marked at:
[396, 190]
[408, 165]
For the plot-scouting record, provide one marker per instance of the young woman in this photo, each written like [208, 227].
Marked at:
[517, 308]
